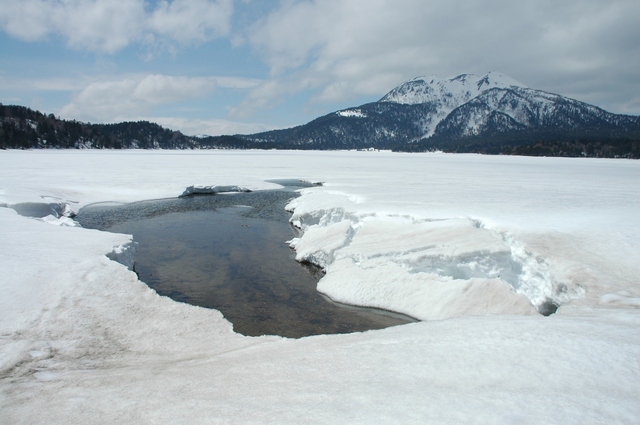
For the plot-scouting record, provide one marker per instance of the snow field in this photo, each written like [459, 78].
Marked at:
[81, 339]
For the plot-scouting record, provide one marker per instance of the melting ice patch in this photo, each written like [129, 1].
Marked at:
[43, 209]
[486, 265]
[56, 213]
[124, 254]
[424, 268]
[536, 280]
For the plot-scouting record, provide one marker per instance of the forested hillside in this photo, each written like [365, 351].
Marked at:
[24, 128]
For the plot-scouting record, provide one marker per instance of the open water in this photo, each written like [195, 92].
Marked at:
[229, 252]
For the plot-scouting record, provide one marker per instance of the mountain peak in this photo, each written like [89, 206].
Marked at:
[448, 92]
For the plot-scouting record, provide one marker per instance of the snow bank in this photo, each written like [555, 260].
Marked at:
[65, 305]
[545, 243]
[427, 270]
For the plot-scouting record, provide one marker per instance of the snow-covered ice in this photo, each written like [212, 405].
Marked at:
[480, 241]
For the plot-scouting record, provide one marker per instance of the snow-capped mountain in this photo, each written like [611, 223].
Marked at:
[491, 113]
[433, 112]
[521, 108]
[446, 94]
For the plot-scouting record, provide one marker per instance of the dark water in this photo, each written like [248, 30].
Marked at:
[228, 252]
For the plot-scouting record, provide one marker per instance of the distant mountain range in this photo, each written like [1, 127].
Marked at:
[491, 114]
[469, 113]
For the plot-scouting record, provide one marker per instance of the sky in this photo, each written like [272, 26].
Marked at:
[243, 66]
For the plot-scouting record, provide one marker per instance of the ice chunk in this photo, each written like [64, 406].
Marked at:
[124, 254]
[212, 190]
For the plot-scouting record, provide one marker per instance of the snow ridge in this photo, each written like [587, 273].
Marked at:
[437, 280]
[446, 94]
[518, 108]
[478, 270]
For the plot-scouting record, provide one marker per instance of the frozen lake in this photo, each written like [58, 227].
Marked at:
[228, 252]
[469, 244]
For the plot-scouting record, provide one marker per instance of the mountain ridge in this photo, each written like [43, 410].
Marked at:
[446, 94]
[433, 113]
[492, 114]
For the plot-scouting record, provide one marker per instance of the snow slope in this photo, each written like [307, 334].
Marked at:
[467, 237]
[446, 94]
[519, 108]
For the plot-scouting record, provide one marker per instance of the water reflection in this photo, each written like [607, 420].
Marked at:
[228, 252]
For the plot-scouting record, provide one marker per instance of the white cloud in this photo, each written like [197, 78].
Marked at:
[365, 47]
[163, 89]
[44, 84]
[192, 20]
[237, 82]
[28, 20]
[119, 99]
[333, 52]
[101, 25]
[212, 127]
[105, 25]
[111, 25]
[268, 93]
[104, 101]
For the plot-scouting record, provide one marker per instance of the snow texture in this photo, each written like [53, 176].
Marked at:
[446, 94]
[479, 241]
[451, 91]
[517, 108]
